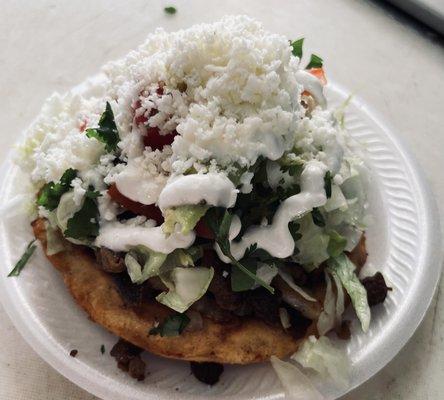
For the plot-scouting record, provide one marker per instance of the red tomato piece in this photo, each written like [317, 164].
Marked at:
[203, 231]
[150, 211]
[319, 73]
[155, 140]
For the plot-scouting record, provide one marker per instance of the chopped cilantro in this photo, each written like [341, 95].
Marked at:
[102, 349]
[171, 326]
[315, 62]
[84, 224]
[297, 47]
[336, 244]
[294, 228]
[107, 131]
[239, 280]
[290, 165]
[50, 194]
[317, 217]
[23, 259]
[170, 10]
[327, 184]
[219, 221]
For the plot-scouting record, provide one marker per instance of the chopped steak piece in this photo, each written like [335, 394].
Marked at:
[207, 372]
[299, 275]
[299, 323]
[220, 287]
[208, 307]
[316, 277]
[133, 294]
[376, 289]
[128, 359]
[265, 305]
[136, 368]
[343, 331]
[73, 353]
[110, 261]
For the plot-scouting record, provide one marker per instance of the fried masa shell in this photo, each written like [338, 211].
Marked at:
[94, 290]
[245, 342]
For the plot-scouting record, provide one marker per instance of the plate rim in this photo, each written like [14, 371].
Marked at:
[430, 214]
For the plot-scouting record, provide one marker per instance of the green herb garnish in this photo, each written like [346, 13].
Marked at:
[315, 62]
[171, 326]
[84, 224]
[170, 10]
[241, 282]
[220, 225]
[294, 230]
[327, 184]
[102, 349]
[23, 259]
[297, 47]
[107, 131]
[49, 196]
[317, 217]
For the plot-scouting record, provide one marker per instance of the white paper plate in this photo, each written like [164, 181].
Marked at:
[404, 243]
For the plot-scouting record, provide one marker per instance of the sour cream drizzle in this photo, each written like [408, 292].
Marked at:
[313, 85]
[276, 238]
[121, 237]
[133, 185]
[215, 189]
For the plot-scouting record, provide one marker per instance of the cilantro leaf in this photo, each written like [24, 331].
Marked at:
[171, 326]
[49, 196]
[102, 349]
[107, 131]
[318, 218]
[84, 224]
[240, 281]
[297, 47]
[294, 228]
[170, 10]
[327, 184]
[315, 62]
[292, 166]
[336, 244]
[219, 221]
[23, 259]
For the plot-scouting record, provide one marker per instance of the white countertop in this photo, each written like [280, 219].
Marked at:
[394, 65]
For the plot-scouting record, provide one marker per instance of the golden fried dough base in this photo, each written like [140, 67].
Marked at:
[244, 342]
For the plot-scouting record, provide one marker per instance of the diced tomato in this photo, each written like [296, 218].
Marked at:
[82, 126]
[319, 73]
[203, 231]
[150, 211]
[155, 140]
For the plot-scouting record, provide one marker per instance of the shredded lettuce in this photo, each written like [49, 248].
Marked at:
[296, 384]
[336, 201]
[284, 317]
[186, 216]
[266, 272]
[54, 240]
[290, 282]
[327, 317]
[336, 244]
[325, 358]
[340, 304]
[312, 245]
[186, 285]
[66, 209]
[143, 263]
[344, 269]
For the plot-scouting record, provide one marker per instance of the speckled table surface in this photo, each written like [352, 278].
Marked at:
[394, 64]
